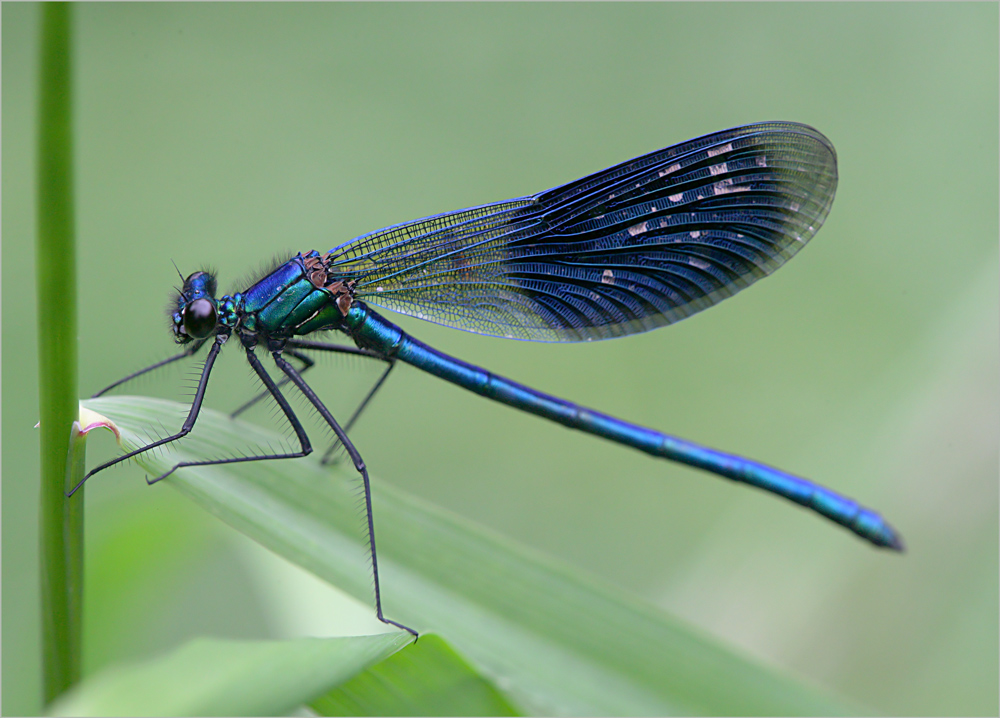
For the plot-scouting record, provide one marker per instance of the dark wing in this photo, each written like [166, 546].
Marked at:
[636, 246]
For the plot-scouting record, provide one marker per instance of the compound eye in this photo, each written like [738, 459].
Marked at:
[199, 318]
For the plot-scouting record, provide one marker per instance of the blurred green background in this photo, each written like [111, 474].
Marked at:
[223, 134]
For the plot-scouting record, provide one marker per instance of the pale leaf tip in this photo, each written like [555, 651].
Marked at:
[90, 420]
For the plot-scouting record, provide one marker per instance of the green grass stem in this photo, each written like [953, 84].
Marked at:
[61, 532]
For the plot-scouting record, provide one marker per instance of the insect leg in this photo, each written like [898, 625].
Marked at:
[359, 465]
[307, 364]
[328, 457]
[192, 417]
[273, 389]
[190, 351]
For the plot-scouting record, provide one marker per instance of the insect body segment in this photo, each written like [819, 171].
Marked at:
[299, 297]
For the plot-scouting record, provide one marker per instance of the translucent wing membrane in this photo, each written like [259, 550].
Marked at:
[634, 247]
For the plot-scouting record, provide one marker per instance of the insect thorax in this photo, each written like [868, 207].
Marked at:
[299, 297]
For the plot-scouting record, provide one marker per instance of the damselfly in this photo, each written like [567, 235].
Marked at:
[634, 247]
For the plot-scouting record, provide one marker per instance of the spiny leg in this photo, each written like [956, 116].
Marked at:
[190, 351]
[307, 364]
[328, 457]
[359, 465]
[192, 416]
[274, 391]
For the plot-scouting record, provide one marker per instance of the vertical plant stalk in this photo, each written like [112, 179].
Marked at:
[61, 520]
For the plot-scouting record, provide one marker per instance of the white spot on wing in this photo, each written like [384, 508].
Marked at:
[695, 234]
[669, 170]
[637, 229]
[608, 277]
[676, 197]
[699, 263]
[718, 169]
[726, 186]
[713, 151]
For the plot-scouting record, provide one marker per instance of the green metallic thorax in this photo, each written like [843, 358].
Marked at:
[297, 298]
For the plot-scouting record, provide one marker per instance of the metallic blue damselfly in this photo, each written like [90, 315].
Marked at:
[631, 248]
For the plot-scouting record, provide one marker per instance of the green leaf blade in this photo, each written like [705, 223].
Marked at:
[429, 679]
[552, 639]
[220, 677]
